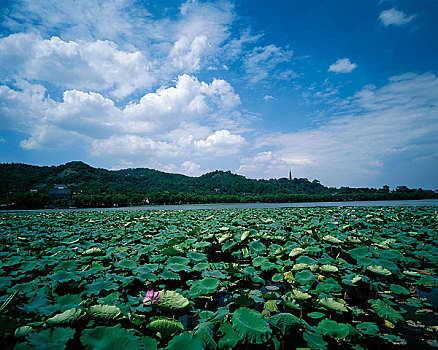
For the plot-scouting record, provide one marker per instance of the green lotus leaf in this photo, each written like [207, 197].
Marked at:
[296, 251]
[285, 320]
[386, 312]
[304, 259]
[379, 270]
[224, 238]
[169, 275]
[127, 264]
[332, 304]
[251, 325]
[299, 295]
[22, 331]
[68, 317]
[314, 340]
[178, 260]
[299, 267]
[100, 284]
[290, 303]
[305, 277]
[316, 315]
[52, 338]
[93, 252]
[359, 253]
[257, 247]
[258, 261]
[205, 331]
[205, 286]
[328, 268]
[104, 312]
[411, 273]
[229, 337]
[179, 267]
[244, 236]
[368, 328]
[329, 286]
[399, 289]
[197, 257]
[173, 302]
[332, 240]
[333, 329]
[428, 281]
[165, 326]
[185, 341]
[63, 276]
[103, 338]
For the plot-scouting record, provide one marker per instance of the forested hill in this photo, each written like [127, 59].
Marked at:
[27, 186]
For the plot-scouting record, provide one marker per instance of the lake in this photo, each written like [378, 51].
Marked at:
[397, 203]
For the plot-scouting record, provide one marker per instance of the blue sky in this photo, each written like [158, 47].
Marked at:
[342, 91]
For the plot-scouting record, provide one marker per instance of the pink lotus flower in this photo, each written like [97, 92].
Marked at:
[75, 248]
[422, 244]
[151, 296]
[9, 235]
[138, 259]
[299, 236]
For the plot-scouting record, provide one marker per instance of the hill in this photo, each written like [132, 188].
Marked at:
[28, 186]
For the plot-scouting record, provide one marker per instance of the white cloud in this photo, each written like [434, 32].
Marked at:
[268, 97]
[187, 167]
[260, 63]
[342, 65]
[388, 125]
[98, 65]
[221, 143]
[133, 145]
[394, 17]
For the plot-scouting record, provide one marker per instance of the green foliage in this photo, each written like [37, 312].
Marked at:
[386, 312]
[251, 325]
[109, 338]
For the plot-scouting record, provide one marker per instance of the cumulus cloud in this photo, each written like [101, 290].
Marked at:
[162, 124]
[98, 65]
[395, 17]
[187, 167]
[221, 143]
[388, 125]
[342, 65]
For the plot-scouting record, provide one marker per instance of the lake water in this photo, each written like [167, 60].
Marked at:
[400, 203]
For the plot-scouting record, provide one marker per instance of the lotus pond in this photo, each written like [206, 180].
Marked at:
[318, 278]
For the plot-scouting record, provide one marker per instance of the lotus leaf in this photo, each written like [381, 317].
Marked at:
[251, 325]
[299, 267]
[54, 338]
[299, 295]
[185, 341]
[332, 240]
[329, 286]
[257, 247]
[333, 329]
[104, 312]
[386, 312]
[165, 326]
[229, 337]
[296, 251]
[93, 252]
[205, 331]
[102, 338]
[172, 302]
[22, 331]
[316, 315]
[328, 268]
[368, 328]
[314, 340]
[332, 304]
[398, 289]
[285, 321]
[379, 270]
[305, 277]
[68, 317]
